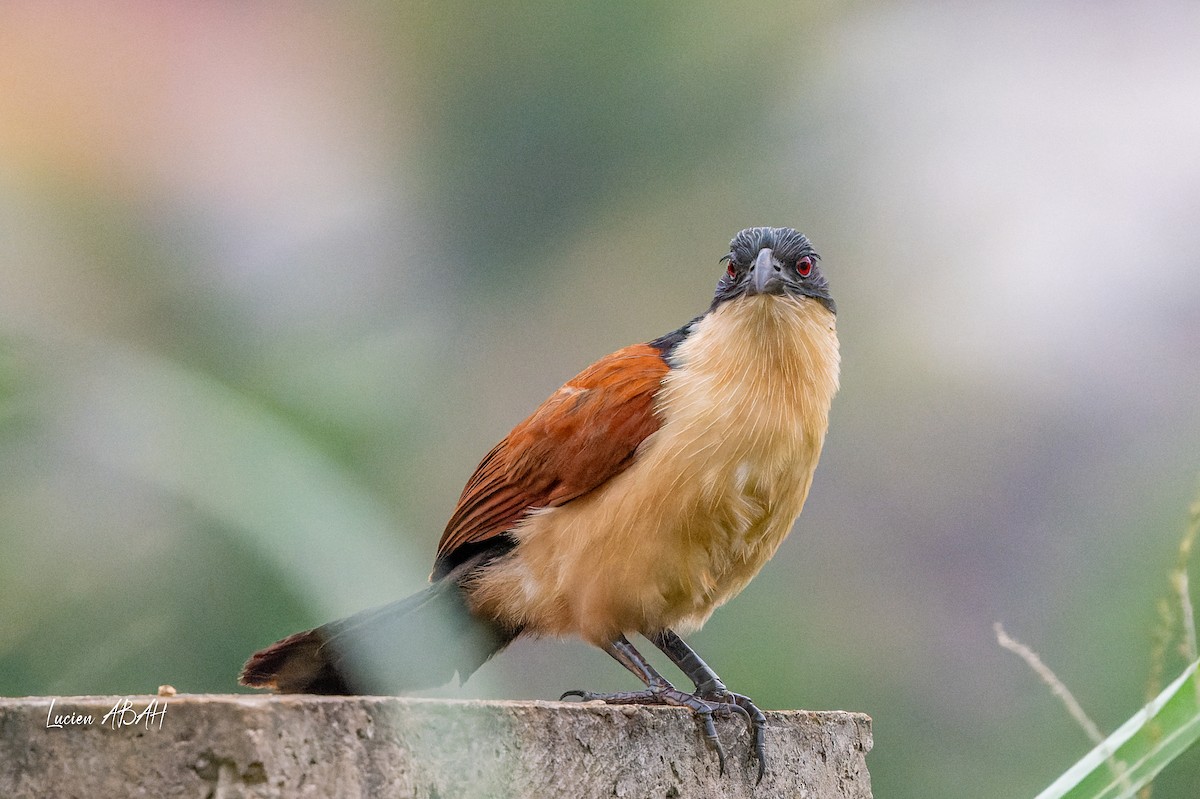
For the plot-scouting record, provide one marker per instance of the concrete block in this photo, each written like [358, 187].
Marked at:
[241, 746]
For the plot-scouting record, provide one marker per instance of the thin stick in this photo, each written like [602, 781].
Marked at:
[1051, 679]
[1068, 699]
[1179, 580]
[1164, 631]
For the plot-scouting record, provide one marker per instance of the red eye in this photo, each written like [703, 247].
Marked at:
[731, 270]
[804, 266]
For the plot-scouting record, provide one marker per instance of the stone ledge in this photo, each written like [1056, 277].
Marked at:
[226, 746]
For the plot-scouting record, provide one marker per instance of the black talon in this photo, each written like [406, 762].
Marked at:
[711, 697]
[758, 724]
[710, 735]
[710, 689]
[727, 707]
[667, 694]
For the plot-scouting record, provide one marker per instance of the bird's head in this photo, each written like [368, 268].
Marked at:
[772, 261]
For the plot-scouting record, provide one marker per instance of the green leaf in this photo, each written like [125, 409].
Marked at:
[1139, 749]
[221, 451]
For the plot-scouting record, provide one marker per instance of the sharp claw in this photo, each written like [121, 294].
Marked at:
[758, 727]
[710, 735]
[733, 708]
[760, 751]
[705, 707]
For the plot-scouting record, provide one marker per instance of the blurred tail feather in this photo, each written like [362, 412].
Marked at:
[417, 642]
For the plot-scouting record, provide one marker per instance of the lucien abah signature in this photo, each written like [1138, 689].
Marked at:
[123, 714]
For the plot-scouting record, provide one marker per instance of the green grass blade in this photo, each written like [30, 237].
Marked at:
[1141, 747]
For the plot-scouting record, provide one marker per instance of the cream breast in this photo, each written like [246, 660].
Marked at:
[709, 497]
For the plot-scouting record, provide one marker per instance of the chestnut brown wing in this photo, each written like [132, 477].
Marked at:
[585, 433]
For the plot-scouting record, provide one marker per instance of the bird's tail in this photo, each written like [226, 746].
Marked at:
[418, 642]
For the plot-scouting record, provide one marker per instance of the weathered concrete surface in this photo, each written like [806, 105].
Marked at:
[281, 746]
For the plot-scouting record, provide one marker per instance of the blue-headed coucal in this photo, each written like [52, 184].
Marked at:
[639, 497]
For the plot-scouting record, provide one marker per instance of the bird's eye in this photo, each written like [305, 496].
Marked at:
[804, 266]
[731, 265]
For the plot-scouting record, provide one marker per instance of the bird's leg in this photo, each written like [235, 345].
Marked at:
[658, 691]
[710, 688]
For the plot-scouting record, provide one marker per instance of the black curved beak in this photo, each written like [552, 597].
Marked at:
[765, 275]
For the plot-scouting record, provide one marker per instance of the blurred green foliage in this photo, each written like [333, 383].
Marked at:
[272, 281]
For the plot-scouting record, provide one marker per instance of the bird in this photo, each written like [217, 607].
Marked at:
[640, 496]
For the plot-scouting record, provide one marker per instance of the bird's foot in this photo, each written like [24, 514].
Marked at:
[705, 709]
[754, 717]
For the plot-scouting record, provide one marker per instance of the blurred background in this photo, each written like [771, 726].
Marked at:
[273, 277]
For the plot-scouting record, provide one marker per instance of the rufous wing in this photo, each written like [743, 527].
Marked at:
[586, 432]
